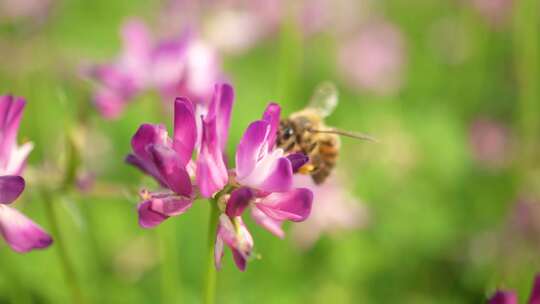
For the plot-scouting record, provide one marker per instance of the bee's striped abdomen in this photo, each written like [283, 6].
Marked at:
[325, 159]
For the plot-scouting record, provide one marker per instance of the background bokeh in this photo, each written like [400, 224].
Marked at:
[447, 202]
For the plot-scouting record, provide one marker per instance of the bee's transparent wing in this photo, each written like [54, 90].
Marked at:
[324, 99]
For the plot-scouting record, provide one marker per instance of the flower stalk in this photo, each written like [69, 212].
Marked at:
[67, 267]
[209, 291]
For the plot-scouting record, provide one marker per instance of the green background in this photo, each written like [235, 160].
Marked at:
[438, 230]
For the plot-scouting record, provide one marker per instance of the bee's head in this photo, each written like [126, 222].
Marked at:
[287, 132]
[286, 137]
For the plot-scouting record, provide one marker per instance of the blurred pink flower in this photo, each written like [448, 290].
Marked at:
[232, 26]
[84, 181]
[317, 15]
[496, 12]
[490, 142]
[333, 210]
[21, 233]
[236, 26]
[24, 9]
[185, 66]
[510, 297]
[373, 59]
[330, 16]
[524, 222]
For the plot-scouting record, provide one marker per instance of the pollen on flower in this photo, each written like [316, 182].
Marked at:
[145, 195]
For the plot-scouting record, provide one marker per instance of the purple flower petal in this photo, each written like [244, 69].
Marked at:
[503, 297]
[147, 135]
[21, 233]
[535, 292]
[221, 108]
[294, 205]
[5, 101]
[218, 251]
[258, 167]
[170, 169]
[11, 109]
[226, 230]
[145, 167]
[239, 200]
[171, 206]
[141, 158]
[237, 238]
[149, 218]
[272, 116]
[185, 130]
[297, 160]
[11, 186]
[211, 173]
[239, 260]
[250, 146]
[279, 178]
[158, 207]
[17, 162]
[268, 223]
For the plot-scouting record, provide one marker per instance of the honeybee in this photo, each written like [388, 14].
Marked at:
[305, 132]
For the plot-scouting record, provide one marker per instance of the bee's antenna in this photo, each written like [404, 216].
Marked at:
[355, 135]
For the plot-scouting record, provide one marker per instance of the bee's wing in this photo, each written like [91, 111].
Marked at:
[324, 99]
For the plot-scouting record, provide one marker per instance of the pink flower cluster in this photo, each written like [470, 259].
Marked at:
[183, 66]
[21, 233]
[262, 180]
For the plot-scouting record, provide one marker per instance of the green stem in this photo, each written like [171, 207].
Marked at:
[209, 291]
[69, 271]
[527, 64]
[169, 263]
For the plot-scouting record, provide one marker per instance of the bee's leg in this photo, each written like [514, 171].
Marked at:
[312, 165]
[307, 169]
